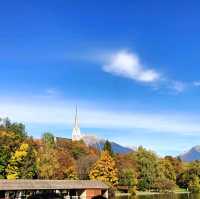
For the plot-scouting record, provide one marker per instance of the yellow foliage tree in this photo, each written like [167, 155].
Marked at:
[105, 169]
[47, 163]
[19, 165]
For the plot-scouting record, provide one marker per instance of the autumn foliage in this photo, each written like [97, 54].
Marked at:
[105, 169]
[23, 157]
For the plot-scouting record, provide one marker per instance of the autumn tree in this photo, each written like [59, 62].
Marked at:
[191, 171]
[163, 185]
[79, 149]
[12, 135]
[4, 157]
[22, 163]
[167, 170]
[124, 161]
[176, 163]
[54, 161]
[105, 169]
[47, 163]
[66, 165]
[84, 165]
[194, 185]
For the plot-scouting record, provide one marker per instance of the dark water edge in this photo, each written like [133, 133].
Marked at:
[162, 196]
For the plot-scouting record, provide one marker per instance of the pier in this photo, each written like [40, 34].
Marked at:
[66, 189]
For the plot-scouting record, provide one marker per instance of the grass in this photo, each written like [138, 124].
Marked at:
[181, 190]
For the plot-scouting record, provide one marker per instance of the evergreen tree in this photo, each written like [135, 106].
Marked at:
[108, 147]
[105, 169]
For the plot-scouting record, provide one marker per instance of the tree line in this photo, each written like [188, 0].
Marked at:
[23, 157]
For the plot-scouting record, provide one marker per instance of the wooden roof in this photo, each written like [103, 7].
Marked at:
[50, 184]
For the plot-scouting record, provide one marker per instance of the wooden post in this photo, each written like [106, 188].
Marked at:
[7, 195]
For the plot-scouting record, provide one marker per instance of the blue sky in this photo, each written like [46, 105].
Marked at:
[131, 66]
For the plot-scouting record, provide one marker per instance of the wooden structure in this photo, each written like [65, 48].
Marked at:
[123, 188]
[66, 189]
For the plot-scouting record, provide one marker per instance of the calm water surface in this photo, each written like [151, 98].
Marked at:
[163, 196]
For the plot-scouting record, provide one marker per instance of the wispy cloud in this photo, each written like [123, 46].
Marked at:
[178, 86]
[60, 112]
[128, 65]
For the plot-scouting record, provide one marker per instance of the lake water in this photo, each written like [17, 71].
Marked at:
[162, 196]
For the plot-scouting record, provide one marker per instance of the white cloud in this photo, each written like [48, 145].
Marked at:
[128, 65]
[58, 112]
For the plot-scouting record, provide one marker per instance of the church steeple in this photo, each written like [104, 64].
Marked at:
[76, 133]
[76, 123]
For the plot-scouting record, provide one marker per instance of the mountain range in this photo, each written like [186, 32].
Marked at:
[191, 155]
[92, 140]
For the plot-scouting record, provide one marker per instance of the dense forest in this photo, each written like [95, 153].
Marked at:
[23, 157]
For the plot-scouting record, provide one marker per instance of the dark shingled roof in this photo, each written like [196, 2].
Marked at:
[50, 184]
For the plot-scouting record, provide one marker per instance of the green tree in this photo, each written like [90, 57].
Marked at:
[48, 139]
[17, 128]
[148, 167]
[105, 169]
[127, 177]
[108, 147]
[194, 185]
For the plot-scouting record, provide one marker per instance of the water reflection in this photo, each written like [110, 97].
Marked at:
[162, 196]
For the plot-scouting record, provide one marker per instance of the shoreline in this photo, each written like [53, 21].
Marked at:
[140, 193]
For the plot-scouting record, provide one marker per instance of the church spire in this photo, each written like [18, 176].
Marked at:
[76, 123]
[76, 133]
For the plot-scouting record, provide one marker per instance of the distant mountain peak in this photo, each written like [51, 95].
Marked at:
[94, 141]
[192, 154]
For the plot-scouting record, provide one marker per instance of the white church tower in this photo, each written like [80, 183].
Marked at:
[76, 133]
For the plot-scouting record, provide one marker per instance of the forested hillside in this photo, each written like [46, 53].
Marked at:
[22, 156]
